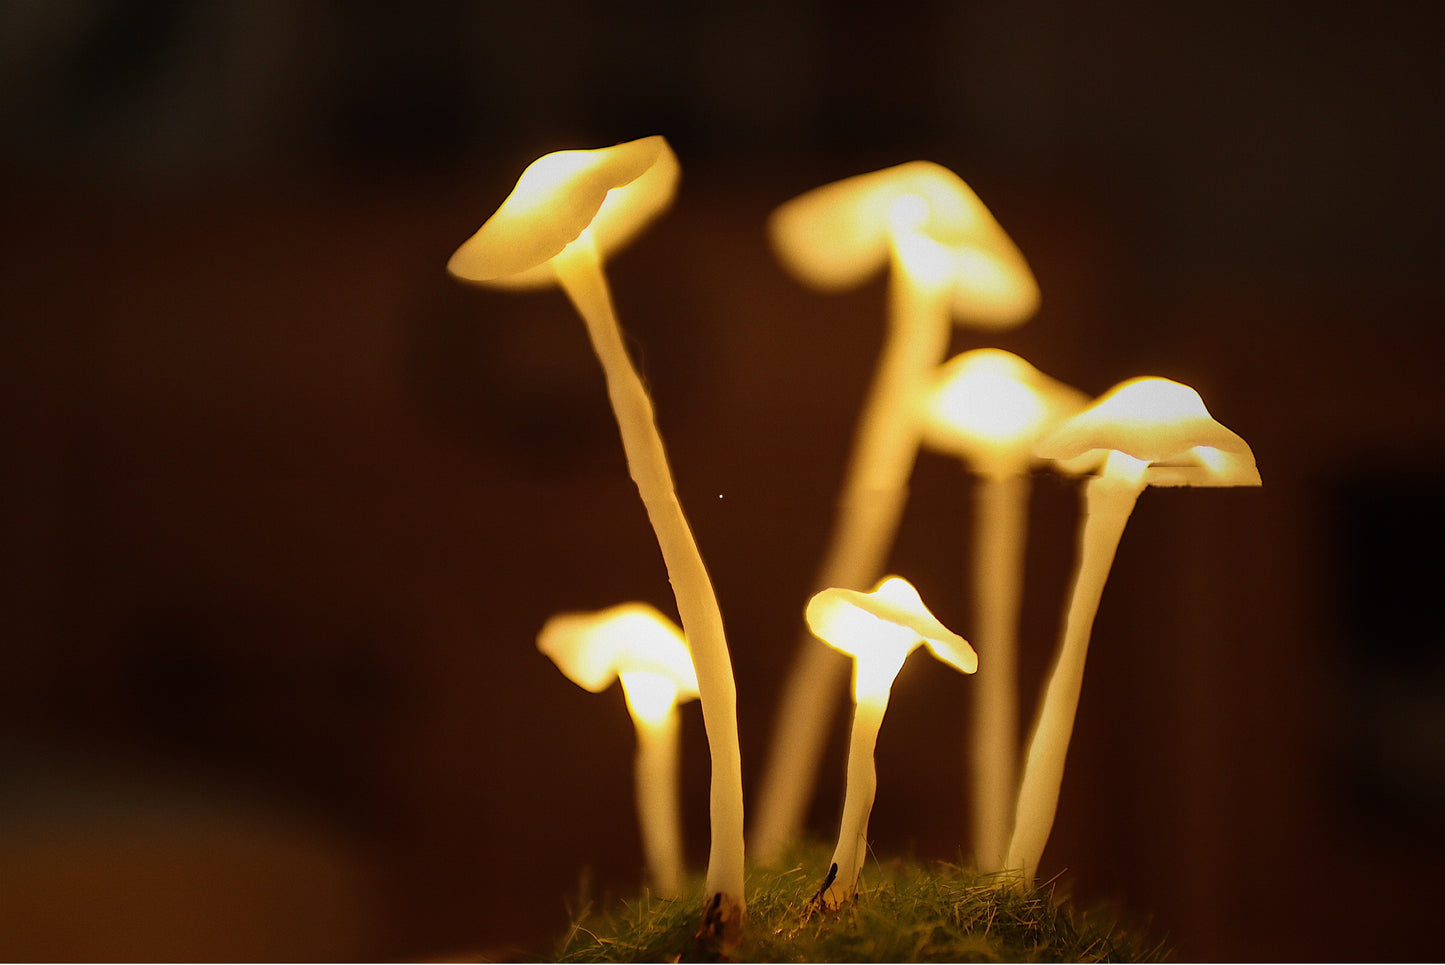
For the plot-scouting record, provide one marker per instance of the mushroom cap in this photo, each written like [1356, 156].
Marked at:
[853, 621]
[1161, 423]
[990, 407]
[837, 236]
[616, 191]
[592, 648]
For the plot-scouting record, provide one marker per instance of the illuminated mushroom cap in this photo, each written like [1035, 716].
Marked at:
[616, 191]
[892, 614]
[838, 235]
[1160, 423]
[990, 407]
[592, 649]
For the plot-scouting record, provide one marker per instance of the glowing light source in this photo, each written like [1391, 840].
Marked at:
[878, 630]
[948, 259]
[837, 236]
[640, 647]
[612, 193]
[567, 212]
[989, 407]
[1148, 431]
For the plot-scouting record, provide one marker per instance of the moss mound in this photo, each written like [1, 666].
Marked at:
[905, 912]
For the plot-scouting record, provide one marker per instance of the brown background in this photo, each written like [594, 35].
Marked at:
[283, 506]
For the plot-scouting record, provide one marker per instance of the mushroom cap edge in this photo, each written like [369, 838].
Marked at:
[894, 600]
[592, 647]
[1163, 423]
[837, 236]
[617, 191]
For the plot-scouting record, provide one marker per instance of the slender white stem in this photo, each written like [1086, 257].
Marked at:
[852, 846]
[579, 271]
[874, 493]
[1107, 504]
[658, 816]
[1001, 520]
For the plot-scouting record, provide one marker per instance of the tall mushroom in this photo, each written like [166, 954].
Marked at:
[989, 407]
[1148, 431]
[878, 630]
[637, 645]
[568, 210]
[947, 258]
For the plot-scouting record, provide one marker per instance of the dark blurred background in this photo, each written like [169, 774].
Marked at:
[283, 506]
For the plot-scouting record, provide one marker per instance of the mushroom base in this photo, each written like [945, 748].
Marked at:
[904, 911]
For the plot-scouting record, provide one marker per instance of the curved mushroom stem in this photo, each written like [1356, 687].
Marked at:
[852, 847]
[873, 676]
[579, 271]
[655, 777]
[1108, 501]
[872, 501]
[1001, 520]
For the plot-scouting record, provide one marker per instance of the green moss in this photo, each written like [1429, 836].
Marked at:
[905, 911]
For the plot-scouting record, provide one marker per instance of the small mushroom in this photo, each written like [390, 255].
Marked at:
[947, 259]
[1147, 431]
[989, 407]
[643, 649]
[568, 210]
[878, 630]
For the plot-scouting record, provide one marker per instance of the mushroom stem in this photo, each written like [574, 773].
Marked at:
[657, 807]
[1108, 501]
[579, 271]
[1001, 518]
[876, 489]
[852, 847]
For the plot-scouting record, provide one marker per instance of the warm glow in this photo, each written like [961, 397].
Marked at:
[837, 236]
[907, 213]
[1122, 466]
[987, 284]
[616, 191]
[648, 654]
[989, 406]
[879, 629]
[1210, 457]
[1162, 423]
[1152, 432]
[545, 180]
[651, 697]
[592, 649]
[856, 630]
[926, 263]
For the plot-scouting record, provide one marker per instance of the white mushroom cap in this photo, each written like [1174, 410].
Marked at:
[837, 236]
[1164, 426]
[891, 616]
[615, 191]
[593, 648]
[990, 407]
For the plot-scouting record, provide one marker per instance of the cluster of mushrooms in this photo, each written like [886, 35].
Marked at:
[948, 262]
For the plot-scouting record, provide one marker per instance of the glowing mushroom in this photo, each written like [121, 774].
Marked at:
[643, 649]
[989, 407]
[879, 630]
[1148, 431]
[567, 212]
[947, 258]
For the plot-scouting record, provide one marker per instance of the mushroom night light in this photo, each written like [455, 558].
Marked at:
[568, 211]
[947, 258]
[989, 407]
[948, 261]
[640, 647]
[1146, 431]
[878, 630]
